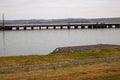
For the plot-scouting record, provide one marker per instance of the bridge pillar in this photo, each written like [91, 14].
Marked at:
[97, 26]
[68, 27]
[39, 27]
[32, 28]
[104, 26]
[61, 27]
[94, 26]
[3, 29]
[109, 26]
[17, 28]
[101, 26]
[54, 27]
[25, 28]
[82, 27]
[47, 27]
[90, 27]
[117, 26]
[76, 27]
[7, 28]
[0, 28]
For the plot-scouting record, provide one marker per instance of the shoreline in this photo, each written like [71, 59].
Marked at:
[67, 66]
[86, 48]
[73, 49]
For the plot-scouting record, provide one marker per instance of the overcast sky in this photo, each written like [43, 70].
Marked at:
[54, 9]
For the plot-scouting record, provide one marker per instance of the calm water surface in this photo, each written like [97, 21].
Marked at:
[42, 42]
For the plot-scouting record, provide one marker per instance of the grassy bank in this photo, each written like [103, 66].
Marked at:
[108, 70]
[95, 71]
[52, 58]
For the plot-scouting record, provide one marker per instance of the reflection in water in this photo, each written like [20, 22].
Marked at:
[3, 42]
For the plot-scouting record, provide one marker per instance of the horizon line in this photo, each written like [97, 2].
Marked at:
[64, 18]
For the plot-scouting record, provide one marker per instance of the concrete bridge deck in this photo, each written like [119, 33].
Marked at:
[59, 26]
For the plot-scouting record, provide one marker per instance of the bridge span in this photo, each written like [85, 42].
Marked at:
[59, 26]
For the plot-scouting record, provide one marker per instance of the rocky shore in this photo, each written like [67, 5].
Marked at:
[86, 48]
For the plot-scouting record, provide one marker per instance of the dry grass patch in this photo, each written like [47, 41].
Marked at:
[74, 72]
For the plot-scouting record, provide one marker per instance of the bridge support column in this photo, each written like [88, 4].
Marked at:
[117, 26]
[17, 28]
[54, 27]
[82, 27]
[7, 28]
[39, 27]
[32, 28]
[90, 27]
[47, 27]
[109, 26]
[76, 27]
[61, 27]
[25, 28]
[104, 26]
[95, 26]
[1, 28]
[68, 27]
[100, 26]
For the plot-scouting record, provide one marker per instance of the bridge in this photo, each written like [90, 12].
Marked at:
[58, 26]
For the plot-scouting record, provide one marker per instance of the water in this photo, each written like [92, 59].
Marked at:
[43, 42]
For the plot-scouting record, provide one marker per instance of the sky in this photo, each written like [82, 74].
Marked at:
[59, 9]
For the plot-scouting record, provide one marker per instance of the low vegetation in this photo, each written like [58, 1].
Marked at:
[96, 71]
[53, 58]
[108, 70]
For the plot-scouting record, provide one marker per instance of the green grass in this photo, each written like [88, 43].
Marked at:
[52, 58]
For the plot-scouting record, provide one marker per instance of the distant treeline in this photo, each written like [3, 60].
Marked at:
[68, 20]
